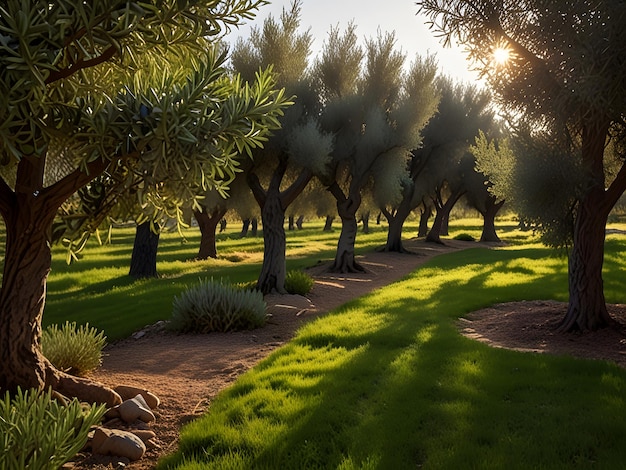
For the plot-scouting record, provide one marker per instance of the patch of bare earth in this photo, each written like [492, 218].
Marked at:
[188, 371]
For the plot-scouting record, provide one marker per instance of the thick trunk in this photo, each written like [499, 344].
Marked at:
[328, 225]
[347, 208]
[207, 223]
[489, 220]
[144, 256]
[245, 227]
[425, 215]
[274, 269]
[299, 222]
[587, 307]
[22, 298]
[443, 214]
[292, 222]
[396, 224]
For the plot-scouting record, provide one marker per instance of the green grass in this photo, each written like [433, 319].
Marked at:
[98, 290]
[387, 382]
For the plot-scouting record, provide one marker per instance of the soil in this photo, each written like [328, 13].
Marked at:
[187, 371]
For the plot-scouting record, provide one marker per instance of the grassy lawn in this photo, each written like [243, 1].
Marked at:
[98, 290]
[387, 382]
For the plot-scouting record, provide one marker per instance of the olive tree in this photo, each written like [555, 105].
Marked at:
[73, 106]
[280, 170]
[565, 72]
[376, 110]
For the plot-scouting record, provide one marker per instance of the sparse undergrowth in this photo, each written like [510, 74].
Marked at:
[298, 282]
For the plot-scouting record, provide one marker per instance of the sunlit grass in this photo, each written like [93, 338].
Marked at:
[386, 381]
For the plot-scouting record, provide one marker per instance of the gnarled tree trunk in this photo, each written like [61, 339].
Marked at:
[274, 269]
[347, 208]
[28, 215]
[207, 223]
[396, 224]
[144, 257]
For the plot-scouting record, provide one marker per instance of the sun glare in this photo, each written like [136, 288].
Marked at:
[501, 55]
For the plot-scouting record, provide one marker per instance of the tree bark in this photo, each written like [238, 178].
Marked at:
[144, 256]
[245, 226]
[328, 225]
[425, 215]
[347, 208]
[586, 309]
[28, 218]
[365, 218]
[207, 223]
[396, 225]
[299, 222]
[489, 233]
[434, 235]
[274, 269]
[291, 222]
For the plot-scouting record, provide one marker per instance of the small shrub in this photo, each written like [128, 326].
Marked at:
[465, 237]
[74, 350]
[217, 306]
[40, 433]
[298, 282]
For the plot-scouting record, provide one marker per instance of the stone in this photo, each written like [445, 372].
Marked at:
[288, 304]
[144, 435]
[127, 392]
[135, 409]
[118, 443]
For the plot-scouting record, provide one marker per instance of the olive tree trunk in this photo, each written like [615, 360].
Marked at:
[28, 214]
[207, 223]
[489, 233]
[347, 208]
[144, 257]
[443, 214]
[396, 225]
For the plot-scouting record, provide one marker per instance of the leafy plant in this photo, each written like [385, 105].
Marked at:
[298, 282]
[40, 433]
[217, 306]
[76, 350]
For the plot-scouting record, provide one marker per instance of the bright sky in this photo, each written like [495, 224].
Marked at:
[412, 35]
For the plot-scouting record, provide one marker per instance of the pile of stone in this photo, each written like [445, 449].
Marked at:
[125, 431]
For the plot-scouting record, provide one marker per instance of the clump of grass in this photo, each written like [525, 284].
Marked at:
[217, 306]
[298, 282]
[40, 433]
[465, 237]
[76, 350]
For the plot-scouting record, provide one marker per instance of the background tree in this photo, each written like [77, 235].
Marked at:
[376, 119]
[282, 169]
[565, 74]
[68, 91]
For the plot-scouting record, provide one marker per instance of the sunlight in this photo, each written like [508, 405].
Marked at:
[501, 55]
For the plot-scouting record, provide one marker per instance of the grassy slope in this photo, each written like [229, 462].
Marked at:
[387, 382]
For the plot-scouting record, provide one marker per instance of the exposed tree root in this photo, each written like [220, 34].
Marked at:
[84, 389]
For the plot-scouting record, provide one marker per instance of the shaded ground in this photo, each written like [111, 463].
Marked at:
[188, 371]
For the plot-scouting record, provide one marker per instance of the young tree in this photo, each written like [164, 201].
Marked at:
[565, 72]
[376, 116]
[72, 96]
[280, 171]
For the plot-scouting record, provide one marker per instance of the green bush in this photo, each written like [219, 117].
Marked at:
[465, 237]
[298, 282]
[74, 350]
[217, 306]
[39, 433]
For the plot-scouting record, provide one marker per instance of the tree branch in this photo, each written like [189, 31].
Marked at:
[292, 192]
[80, 65]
